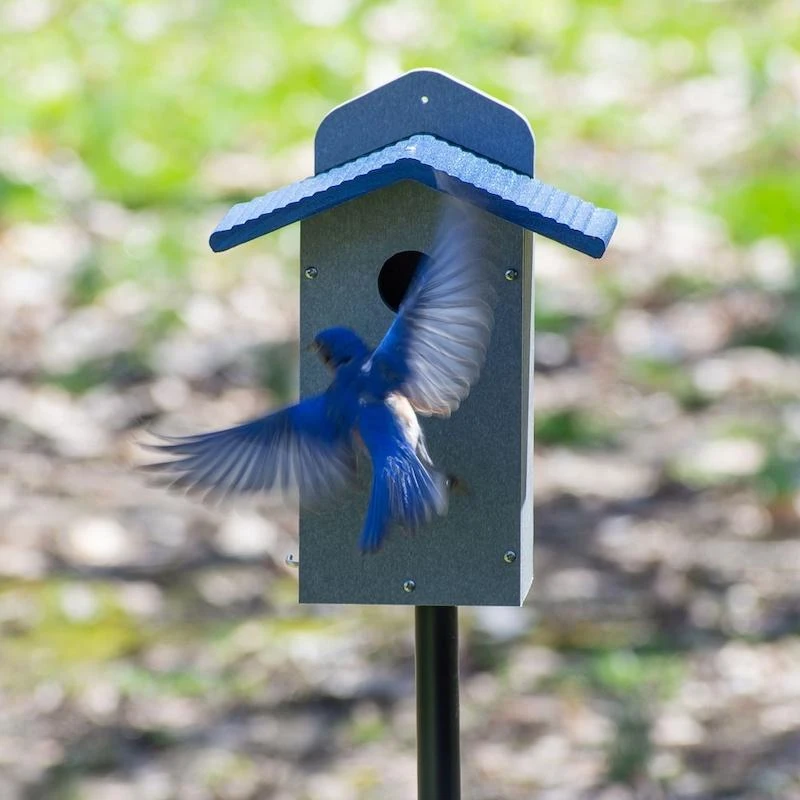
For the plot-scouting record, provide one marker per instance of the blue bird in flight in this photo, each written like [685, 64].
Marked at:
[426, 364]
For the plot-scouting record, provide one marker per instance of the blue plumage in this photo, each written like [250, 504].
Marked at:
[426, 363]
[404, 489]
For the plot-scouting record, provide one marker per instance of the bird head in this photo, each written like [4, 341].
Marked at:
[339, 346]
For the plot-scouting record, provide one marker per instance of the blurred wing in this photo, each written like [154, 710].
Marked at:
[435, 348]
[298, 447]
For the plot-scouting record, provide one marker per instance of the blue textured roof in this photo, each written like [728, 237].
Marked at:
[508, 194]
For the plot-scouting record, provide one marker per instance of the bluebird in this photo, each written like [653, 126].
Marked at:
[425, 364]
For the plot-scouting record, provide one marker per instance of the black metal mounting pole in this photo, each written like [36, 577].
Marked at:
[438, 748]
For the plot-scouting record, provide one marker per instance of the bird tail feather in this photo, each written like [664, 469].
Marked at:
[404, 491]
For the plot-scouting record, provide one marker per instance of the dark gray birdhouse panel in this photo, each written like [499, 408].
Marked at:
[481, 552]
[425, 101]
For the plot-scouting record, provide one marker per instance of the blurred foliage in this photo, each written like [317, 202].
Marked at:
[59, 641]
[662, 375]
[571, 427]
[765, 205]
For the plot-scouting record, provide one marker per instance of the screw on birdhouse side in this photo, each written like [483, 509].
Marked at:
[511, 274]
[509, 556]
[310, 273]
[409, 585]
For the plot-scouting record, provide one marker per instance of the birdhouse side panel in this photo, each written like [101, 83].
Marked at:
[527, 275]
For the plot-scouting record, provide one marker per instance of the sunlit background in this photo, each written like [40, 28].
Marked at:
[153, 649]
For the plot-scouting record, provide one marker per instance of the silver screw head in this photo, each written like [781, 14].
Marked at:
[311, 273]
[511, 274]
[509, 556]
[409, 585]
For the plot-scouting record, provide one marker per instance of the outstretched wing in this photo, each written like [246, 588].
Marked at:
[435, 349]
[302, 446]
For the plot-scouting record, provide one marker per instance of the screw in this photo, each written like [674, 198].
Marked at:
[511, 274]
[424, 99]
[409, 585]
[291, 561]
[509, 556]
[311, 273]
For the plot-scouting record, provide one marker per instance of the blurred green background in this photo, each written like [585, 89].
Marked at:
[152, 648]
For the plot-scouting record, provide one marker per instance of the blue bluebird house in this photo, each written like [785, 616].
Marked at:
[368, 214]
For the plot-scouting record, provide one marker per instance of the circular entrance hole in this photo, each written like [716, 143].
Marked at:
[396, 275]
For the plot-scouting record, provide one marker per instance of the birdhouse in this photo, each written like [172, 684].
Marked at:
[384, 163]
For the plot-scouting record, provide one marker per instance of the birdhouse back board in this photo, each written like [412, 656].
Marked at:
[480, 552]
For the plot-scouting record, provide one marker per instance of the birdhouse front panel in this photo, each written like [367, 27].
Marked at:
[356, 260]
